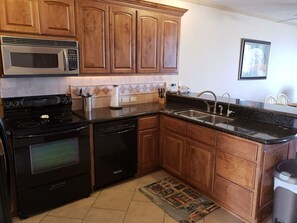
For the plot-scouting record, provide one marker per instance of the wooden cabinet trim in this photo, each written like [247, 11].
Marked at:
[238, 146]
[174, 124]
[18, 18]
[148, 122]
[51, 24]
[237, 170]
[237, 198]
[202, 134]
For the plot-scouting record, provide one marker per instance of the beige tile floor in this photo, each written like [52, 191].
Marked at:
[122, 203]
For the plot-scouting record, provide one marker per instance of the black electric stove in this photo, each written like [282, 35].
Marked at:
[50, 146]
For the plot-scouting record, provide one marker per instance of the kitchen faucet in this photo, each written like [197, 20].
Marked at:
[228, 108]
[215, 97]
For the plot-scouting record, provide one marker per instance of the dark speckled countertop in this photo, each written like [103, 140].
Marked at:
[242, 126]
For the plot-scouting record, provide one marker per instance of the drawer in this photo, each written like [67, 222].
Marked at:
[202, 134]
[148, 122]
[174, 124]
[238, 147]
[235, 169]
[239, 200]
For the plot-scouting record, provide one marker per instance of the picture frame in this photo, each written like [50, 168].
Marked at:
[254, 57]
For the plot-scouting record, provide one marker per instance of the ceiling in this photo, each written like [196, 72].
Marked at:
[283, 11]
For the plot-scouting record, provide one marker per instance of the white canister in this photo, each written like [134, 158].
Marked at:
[115, 100]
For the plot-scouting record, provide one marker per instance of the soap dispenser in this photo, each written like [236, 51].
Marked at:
[115, 102]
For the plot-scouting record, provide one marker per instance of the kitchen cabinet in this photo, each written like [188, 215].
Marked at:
[235, 172]
[19, 16]
[122, 39]
[132, 38]
[148, 144]
[57, 17]
[47, 17]
[170, 34]
[148, 41]
[173, 145]
[200, 157]
[92, 19]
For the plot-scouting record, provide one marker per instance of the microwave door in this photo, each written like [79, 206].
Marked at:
[23, 60]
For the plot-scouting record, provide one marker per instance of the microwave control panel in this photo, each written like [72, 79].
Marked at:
[72, 59]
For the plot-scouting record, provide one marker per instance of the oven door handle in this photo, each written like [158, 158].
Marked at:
[52, 133]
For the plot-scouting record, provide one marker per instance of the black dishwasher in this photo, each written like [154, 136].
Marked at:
[115, 151]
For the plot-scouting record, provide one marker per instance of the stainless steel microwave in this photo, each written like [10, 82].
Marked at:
[38, 57]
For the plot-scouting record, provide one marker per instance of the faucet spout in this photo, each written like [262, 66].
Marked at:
[215, 97]
[228, 108]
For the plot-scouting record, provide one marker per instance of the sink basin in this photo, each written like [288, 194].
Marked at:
[192, 113]
[203, 116]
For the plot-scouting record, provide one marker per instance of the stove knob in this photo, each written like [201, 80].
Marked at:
[7, 104]
[15, 103]
[63, 100]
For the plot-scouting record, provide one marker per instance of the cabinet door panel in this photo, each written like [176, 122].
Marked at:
[148, 42]
[92, 33]
[19, 16]
[235, 169]
[148, 149]
[57, 17]
[170, 44]
[236, 197]
[200, 165]
[122, 39]
[173, 152]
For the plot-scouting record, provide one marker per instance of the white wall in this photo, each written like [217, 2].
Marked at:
[210, 48]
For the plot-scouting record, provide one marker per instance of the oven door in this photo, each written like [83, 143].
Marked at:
[50, 157]
[29, 60]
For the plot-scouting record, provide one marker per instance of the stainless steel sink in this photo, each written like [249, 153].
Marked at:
[203, 116]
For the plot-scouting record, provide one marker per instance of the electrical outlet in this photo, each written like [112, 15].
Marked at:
[125, 99]
[133, 98]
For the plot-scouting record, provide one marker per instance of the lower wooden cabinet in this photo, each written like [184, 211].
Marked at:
[199, 165]
[148, 144]
[173, 152]
[235, 172]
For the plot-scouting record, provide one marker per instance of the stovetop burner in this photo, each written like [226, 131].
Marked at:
[39, 113]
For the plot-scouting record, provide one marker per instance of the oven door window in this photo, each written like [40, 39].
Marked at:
[34, 60]
[53, 155]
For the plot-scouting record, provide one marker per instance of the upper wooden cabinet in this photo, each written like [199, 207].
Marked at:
[57, 17]
[92, 20]
[141, 37]
[48, 17]
[19, 16]
[170, 35]
[148, 42]
[122, 39]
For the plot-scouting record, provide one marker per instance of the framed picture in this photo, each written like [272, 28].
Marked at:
[254, 56]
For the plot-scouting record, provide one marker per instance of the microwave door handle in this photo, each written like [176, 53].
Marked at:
[66, 64]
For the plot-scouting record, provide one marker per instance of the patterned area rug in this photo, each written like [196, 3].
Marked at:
[180, 201]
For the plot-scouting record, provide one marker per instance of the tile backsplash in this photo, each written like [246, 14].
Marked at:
[143, 87]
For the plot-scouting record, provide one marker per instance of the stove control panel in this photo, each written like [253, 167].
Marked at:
[36, 101]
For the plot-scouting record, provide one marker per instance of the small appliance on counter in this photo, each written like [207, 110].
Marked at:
[87, 102]
[115, 99]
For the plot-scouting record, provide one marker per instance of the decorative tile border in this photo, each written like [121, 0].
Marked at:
[142, 92]
[124, 89]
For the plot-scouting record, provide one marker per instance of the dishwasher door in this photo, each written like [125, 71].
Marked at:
[115, 146]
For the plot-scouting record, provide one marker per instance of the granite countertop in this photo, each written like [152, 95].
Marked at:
[255, 130]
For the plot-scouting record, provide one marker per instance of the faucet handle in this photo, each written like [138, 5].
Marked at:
[229, 112]
[221, 109]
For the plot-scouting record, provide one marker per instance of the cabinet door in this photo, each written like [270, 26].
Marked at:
[170, 35]
[148, 150]
[57, 17]
[92, 33]
[173, 147]
[200, 165]
[19, 16]
[122, 39]
[148, 42]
